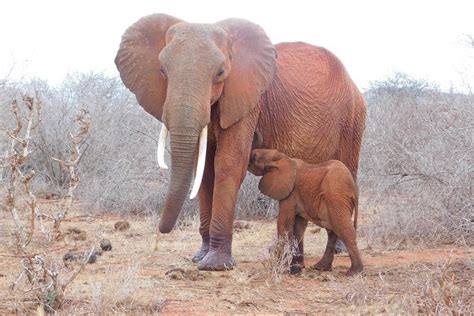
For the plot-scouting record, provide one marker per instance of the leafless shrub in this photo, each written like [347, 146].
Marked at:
[117, 164]
[417, 163]
[15, 160]
[118, 167]
[443, 291]
[77, 139]
[39, 277]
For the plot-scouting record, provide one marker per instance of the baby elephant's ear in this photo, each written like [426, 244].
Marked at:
[278, 180]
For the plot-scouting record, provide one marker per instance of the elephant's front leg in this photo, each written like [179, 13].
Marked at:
[230, 165]
[205, 204]
[286, 233]
[298, 259]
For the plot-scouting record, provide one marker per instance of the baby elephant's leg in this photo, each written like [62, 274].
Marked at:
[340, 214]
[348, 235]
[325, 264]
[298, 259]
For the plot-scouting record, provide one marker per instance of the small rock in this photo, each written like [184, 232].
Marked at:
[76, 234]
[78, 256]
[92, 257]
[122, 225]
[241, 225]
[181, 274]
[175, 274]
[70, 256]
[105, 244]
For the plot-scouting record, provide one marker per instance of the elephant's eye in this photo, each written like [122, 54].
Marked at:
[163, 72]
[220, 73]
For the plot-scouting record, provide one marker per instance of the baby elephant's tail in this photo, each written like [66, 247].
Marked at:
[356, 210]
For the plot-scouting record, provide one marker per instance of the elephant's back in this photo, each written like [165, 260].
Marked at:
[308, 103]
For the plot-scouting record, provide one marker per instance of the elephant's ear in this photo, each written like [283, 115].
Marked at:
[253, 67]
[138, 63]
[279, 177]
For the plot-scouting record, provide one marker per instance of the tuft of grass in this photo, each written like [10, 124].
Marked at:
[278, 259]
[442, 288]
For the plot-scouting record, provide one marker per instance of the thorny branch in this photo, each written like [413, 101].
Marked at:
[43, 281]
[16, 157]
[83, 119]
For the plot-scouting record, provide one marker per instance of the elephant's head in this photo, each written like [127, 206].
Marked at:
[278, 171]
[178, 71]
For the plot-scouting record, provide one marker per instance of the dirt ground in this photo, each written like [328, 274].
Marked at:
[148, 274]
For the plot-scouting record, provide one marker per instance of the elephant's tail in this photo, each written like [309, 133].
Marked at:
[356, 210]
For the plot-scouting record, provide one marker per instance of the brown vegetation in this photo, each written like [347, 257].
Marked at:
[415, 184]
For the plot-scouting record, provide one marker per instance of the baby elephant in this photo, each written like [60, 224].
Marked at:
[323, 193]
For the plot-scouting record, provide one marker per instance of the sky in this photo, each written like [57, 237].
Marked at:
[425, 39]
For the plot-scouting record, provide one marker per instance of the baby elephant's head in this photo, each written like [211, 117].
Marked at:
[277, 169]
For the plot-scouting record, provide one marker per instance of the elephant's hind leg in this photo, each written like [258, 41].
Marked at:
[342, 223]
[325, 264]
[348, 235]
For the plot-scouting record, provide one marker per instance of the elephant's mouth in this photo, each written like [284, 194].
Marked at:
[201, 159]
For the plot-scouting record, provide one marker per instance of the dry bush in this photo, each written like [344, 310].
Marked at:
[443, 288]
[417, 163]
[40, 281]
[118, 165]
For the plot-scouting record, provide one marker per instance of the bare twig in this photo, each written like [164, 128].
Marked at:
[42, 280]
[83, 119]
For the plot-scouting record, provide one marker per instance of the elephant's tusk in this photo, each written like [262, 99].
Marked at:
[160, 152]
[200, 163]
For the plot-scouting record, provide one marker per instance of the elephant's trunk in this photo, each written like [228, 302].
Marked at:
[183, 149]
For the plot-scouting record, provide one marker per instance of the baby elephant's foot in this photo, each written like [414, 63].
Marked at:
[296, 269]
[354, 271]
[323, 265]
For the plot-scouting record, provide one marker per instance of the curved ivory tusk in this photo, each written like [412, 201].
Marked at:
[160, 152]
[200, 163]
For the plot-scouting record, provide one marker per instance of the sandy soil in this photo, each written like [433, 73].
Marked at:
[146, 274]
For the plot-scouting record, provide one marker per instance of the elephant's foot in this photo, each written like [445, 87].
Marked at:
[217, 261]
[340, 247]
[298, 260]
[201, 253]
[296, 268]
[354, 270]
[323, 265]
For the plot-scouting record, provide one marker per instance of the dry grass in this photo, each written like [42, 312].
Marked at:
[443, 287]
[139, 276]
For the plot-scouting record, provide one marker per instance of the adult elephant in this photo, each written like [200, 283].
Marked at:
[215, 86]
